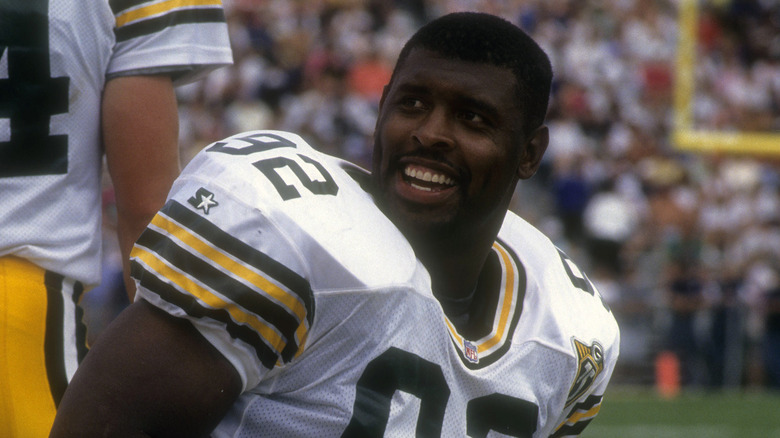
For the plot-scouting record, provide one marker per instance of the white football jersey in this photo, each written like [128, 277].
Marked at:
[55, 56]
[283, 262]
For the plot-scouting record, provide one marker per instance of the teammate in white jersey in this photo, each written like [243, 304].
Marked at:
[284, 293]
[62, 63]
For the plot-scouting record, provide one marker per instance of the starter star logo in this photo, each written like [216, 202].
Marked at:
[203, 200]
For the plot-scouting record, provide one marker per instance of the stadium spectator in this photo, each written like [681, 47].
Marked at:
[610, 222]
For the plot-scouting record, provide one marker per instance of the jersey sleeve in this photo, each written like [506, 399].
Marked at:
[578, 414]
[222, 264]
[596, 355]
[186, 38]
[568, 316]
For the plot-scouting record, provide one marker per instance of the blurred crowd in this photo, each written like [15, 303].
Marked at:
[684, 246]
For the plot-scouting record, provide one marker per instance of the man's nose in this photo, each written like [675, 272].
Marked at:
[435, 129]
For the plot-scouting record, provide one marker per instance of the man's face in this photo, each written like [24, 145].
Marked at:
[449, 146]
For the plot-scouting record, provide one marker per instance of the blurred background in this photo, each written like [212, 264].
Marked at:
[661, 180]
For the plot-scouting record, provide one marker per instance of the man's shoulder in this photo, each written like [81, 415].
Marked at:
[558, 290]
[279, 172]
[276, 166]
[525, 238]
[269, 187]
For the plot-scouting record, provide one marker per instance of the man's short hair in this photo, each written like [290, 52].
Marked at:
[484, 38]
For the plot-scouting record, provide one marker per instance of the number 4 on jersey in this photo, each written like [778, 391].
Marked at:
[29, 96]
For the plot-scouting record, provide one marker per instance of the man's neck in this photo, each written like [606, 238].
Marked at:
[455, 261]
[454, 272]
[464, 283]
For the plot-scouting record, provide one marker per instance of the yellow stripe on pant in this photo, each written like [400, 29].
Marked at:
[38, 351]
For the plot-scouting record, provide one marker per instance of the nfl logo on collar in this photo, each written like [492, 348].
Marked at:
[471, 351]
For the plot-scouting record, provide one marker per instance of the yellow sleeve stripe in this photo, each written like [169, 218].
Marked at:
[290, 301]
[300, 336]
[206, 296]
[161, 8]
[578, 416]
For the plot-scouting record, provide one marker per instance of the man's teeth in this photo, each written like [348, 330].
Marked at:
[427, 189]
[427, 176]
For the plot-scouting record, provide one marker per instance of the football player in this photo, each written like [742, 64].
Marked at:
[283, 292]
[59, 62]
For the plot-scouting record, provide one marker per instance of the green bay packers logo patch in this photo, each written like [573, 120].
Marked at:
[590, 363]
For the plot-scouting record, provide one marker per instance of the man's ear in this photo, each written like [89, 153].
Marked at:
[532, 152]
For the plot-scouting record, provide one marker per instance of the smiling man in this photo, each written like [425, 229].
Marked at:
[312, 299]
[459, 126]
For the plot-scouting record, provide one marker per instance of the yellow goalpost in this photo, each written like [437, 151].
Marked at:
[685, 135]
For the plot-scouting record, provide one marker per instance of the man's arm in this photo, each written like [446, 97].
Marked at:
[140, 134]
[149, 374]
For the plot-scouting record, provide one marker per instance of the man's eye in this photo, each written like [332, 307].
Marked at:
[471, 117]
[411, 102]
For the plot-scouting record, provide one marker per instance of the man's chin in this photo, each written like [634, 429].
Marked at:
[423, 227]
[417, 219]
